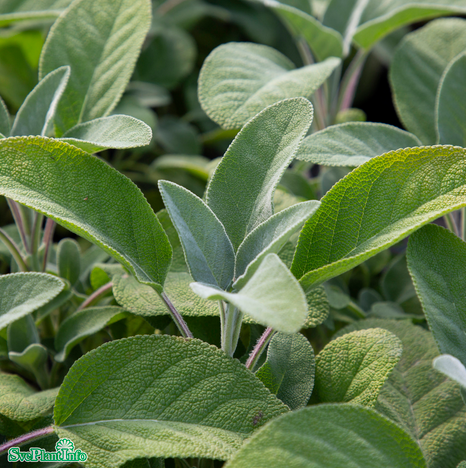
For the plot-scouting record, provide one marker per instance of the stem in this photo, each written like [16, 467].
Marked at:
[463, 223]
[19, 222]
[48, 236]
[451, 224]
[35, 240]
[350, 81]
[177, 318]
[356, 310]
[231, 329]
[26, 438]
[261, 344]
[14, 250]
[96, 295]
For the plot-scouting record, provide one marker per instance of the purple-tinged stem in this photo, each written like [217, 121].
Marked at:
[26, 438]
[14, 250]
[350, 80]
[19, 223]
[97, 294]
[176, 316]
[47, 240]
[261, 344]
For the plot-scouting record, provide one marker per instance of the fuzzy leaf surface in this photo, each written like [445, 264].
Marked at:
[272, 296]
[115, 131]
[417, 69]
[241, 190]
[330, 435]
[353, 143]
[289, 369]
[92, 199]
[12, 11]
[84, 323]
[270, 237]
[160, 396]
[100, 41]
[452, 368]
[436, 259]
[411, 395]
[238, 80]
[377, 205]
[23, 293]
[207, 248]
[354, 367]
[451, 111]
[37, 112]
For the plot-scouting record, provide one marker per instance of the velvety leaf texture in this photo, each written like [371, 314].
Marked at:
[416, 71]
[238, 80]
[100, 41]
[324, 436]
[116, 131]
[241, 190]
[376, 205]
[160, 396]
[451, 367]
[353, 143]
[354, 367]
[289, 369]
[23, 293]
[451, 111]
[92, 200]
[413, 391]
[436, 260]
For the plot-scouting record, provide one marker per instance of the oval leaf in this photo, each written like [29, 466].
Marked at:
[160, 396]
[100, 41]
[337, 436]
[238, 80]
[241, 190]
[92, 199]
[23, 293]
[354, 368]
[353, 143]
[377, 205]
[272, 296]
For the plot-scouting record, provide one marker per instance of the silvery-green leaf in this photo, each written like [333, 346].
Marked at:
[115, 131]
[38, 110]
[451, 108]
[353, 143]
[207, 248]
[69, 260]
[452, 368]
[13, 11]
[238, 80]
[22, 333]
[241, 190]
[4, 120]
[272, 296]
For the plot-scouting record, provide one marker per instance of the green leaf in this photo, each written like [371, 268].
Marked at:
[413, 391]
[451, 111]
[33, 359]
[160, 396]
[337, 436]
[38, 110]
[270, 237]
[177, 136]
[21, 333]
[324, 42]
[194, 165]
[354, 367]
[319, 307]
[289, 369]
[436, 260]
[207, 248]
[241, 190]
[4, 120]
[18, 401]
[354, 143]
[92, 199]
[82, 324]
[238, 80]
[272, 296]
[462, 465]
[116, 131]
[23, 293]
[452, 368]
[143, 300]
[69, 260]
[377, 205]
[12, 11]
[417, 69]
[103, 273]
[100, 41]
